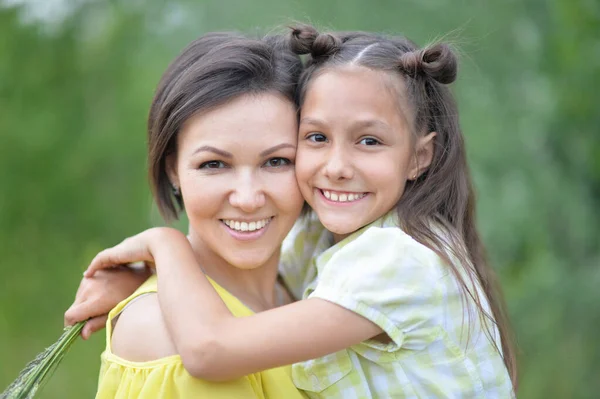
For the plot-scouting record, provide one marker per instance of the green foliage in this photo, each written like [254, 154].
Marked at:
[37, 372]
[74, 94]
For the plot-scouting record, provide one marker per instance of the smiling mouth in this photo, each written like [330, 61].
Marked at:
[245, 226]
[342, 196]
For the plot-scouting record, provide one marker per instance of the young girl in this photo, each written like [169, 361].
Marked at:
[399, 299]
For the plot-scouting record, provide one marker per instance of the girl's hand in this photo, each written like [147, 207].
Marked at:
[97, 295]
[138, 248]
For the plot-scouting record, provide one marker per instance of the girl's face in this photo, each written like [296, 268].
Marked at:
[355, 150]
[235, 169]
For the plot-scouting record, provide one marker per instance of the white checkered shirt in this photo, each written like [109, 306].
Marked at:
[438, 348]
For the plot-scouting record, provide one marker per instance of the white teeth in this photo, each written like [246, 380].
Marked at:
[246, 226]
[346, 197]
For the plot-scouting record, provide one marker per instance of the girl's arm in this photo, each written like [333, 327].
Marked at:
[214, 344]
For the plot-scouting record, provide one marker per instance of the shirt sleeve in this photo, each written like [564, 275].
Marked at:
[389, 278]
[297, 250]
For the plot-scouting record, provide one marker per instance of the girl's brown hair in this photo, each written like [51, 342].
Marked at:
[438, 207]
[210, 71]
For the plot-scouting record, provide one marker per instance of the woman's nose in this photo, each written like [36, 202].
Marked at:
[248, 193]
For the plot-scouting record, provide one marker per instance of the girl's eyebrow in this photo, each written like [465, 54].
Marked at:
[312, 121]
[375, 123]
[362, 124]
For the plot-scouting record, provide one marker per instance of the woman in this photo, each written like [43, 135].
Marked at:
[233, 97]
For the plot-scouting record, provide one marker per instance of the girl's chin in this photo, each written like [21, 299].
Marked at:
[341, 229]
[337, 224]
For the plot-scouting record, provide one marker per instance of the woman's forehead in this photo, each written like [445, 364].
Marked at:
[251, 121]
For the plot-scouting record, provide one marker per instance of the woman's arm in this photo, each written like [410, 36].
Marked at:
[214, 344]
[140, 333]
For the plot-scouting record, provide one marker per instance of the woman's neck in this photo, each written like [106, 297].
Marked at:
[254, 287]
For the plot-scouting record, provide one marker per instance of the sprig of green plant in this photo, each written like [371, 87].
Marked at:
[37, 372]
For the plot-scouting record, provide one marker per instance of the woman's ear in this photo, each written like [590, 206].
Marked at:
[423, 155]
[171, 169]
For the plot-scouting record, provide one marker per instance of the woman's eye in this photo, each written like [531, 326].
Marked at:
[317, 137]
[277, 162]
[212, 165]
[369, 141]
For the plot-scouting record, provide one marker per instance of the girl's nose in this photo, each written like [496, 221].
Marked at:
[338, 165]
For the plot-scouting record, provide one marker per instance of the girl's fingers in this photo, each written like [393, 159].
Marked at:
[105, 259]
[83, 311]
[70, 316]
[93, 325]
[129, 251]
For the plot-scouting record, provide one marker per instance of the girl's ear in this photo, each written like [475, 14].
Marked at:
[423, 155]
[171, 169]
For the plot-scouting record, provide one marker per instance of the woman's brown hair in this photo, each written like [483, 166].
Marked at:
[209, 72]
[438, 207]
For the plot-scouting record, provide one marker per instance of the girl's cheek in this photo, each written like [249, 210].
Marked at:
[301, 168]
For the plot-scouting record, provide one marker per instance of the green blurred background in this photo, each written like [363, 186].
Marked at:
[76, 80]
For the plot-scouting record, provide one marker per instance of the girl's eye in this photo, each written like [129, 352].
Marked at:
[369, 141]
[212, 165]
[317, 137]
[277, 162]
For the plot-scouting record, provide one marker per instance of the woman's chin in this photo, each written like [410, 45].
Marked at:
[248, 261]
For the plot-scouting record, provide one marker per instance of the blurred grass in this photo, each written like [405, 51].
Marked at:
[75, 85]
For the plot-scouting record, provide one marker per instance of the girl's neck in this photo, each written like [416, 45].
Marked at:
[339, 237]
[253, 287]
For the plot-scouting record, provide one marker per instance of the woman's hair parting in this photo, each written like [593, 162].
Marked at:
[438, 207]
[209, 72]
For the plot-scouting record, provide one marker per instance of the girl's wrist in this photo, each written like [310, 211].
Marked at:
[166, 239]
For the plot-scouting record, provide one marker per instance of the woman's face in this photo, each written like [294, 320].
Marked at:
[235, 168]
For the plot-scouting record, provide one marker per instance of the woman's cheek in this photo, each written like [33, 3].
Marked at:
[288, 192]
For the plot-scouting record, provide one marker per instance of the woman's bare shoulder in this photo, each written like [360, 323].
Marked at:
[140, 333]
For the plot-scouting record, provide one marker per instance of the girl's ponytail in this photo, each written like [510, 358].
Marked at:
[304, 39]
[437, 62]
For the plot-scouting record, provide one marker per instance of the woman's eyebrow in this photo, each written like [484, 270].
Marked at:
[271, 150]
[217, 151]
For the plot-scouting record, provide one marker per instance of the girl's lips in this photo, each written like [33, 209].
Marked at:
[247, 235]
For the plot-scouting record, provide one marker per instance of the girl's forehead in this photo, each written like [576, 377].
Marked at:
[357, 80]
[344, 98]
[342, 86]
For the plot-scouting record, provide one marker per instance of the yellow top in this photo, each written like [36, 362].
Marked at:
[167, 378]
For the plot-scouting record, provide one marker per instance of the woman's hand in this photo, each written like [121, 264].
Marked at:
[139, 248]
[97, 295]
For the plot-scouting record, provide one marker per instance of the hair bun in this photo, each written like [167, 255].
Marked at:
[438, 62]
[305, 39]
